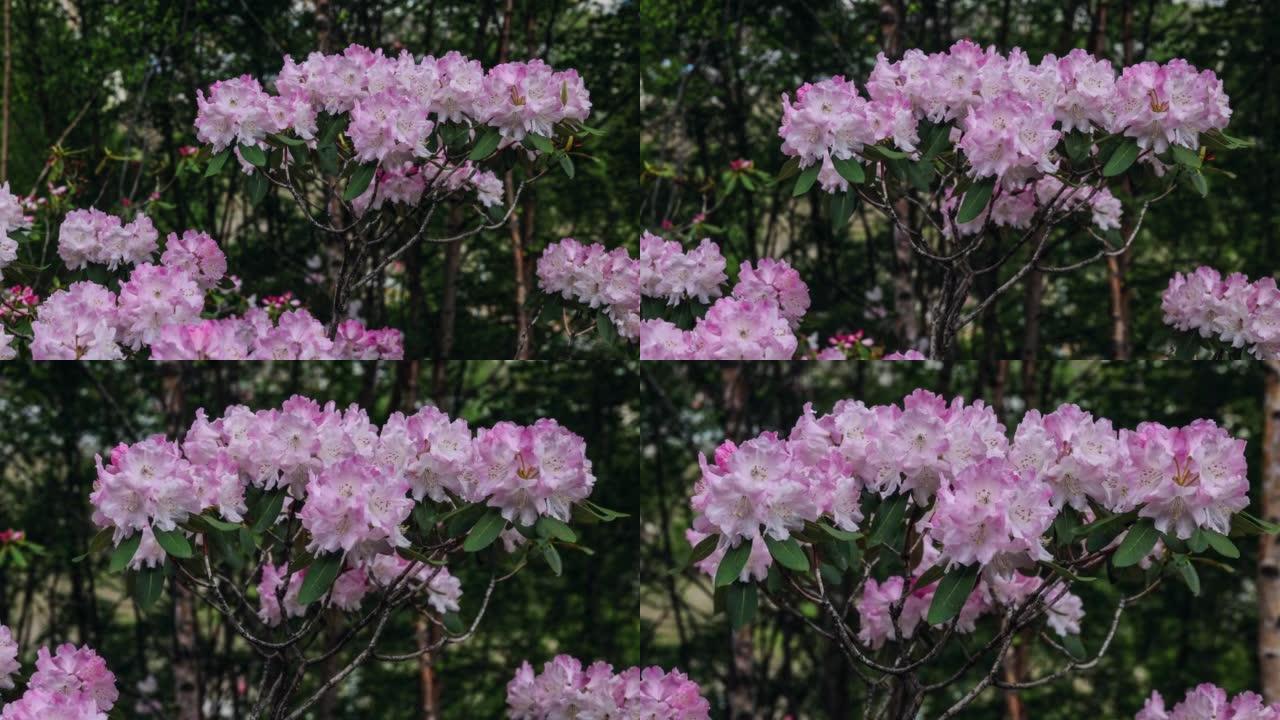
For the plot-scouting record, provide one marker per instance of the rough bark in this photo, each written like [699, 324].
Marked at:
[1269, 545]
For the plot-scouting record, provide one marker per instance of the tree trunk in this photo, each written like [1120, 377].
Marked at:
[1269, 545]
[8, 82]
[186, 651]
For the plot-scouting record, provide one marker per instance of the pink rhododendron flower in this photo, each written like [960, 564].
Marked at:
[9, 664]
[565, 689]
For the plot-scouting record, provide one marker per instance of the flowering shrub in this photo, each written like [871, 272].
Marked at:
[357, 134]
[567, 690]
[72, 683]
[333, 513]
[161, 307]
[1210, 701]
[1233, 310]
[977, 140]
[938, 520]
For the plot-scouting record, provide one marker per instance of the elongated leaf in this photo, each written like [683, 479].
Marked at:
[220, 524]
[285, 139]
[1072, 644]
[148, 586]
[703, 549]
[842, 207]
[938, 143]
[806, 180]
[1222, 544]
[540, 143]
[100, 542]
[124, 552]
[253, 155]
[174, 542]
[1121, 158]
[486, 530]
[548, 526]
[732, 563]
[1186, 156]
[217, 162]
[788, 553]
[359, 182]
[975, 200]
[552, 557]
[267, 511]
[256, 186]
[320, 576]
[1198, 542]
[1141, 539]
[485, 146]
[566, 164]
[790, 169]
[888, 518]
[1077, 146]
[606, 331]
[930, 576]
[952, 593]
[453, 623]
[850, 169]
[1188, 573]
[740, 603]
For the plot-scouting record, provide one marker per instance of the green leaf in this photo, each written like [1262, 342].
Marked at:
[100, 542]
[1065, 573]
[806, 180]
[217, 162]
[1197, 181]
[486, 530]
[1141, 539]
[253, 155]
[485, 146]
[1222, 544]
[837, 533]
[566, 164]
[939, 142]
[548, 526]
[148, 586]
[256, 186]
[1072, 644]
[1188, 573]
[1198, 542]
[930, 576]
[1065, 526]
[220, 524]
[359, 182]
[888, 518]
[1121, 158]
[267, 511]
[291, 142]
[1186, 156]
[604, 513]
[788, 553]
[453, 623]
[552, 557]
[462, 519]
[703, 549]
[975, 200]
[173, 542]
[1078, 145]
[1100, 533]
[842, 207]
[887, 152]
[740, 602]
[952, 593]
[606, 331]
[540, 143]
[732, 563]
[320, 576]
[850, 169]
[790, 169]
[327, 159]
[124, 552]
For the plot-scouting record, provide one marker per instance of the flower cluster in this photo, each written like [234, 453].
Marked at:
[278, 588]
[600, 278]
[12, 217]
[1008, 113]
[92, 236]
[565, 689]
[394, 106]
[294, 335]
[1232, 309]
[1210, 701]
[669, 273]
[1016, 207]
[356, 483]
[406, 184]
[989, 500]
[72, 683]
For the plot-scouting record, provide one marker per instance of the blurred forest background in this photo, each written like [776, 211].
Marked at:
[57, 416]
[112, 86]
[779, 668]
[713, 74]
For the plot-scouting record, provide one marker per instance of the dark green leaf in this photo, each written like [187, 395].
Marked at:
[253, 155]
[174, 543]
[453, 623]
[930, 576]
[100, 542]
[975, 200]
[806, 180]
[704, 548]
[952, 593]
[552, 557]
[291, 142]
[1072, 644]
[219, 524]
[1137, 543]
[566, 164]
[888, 519]
[1198, 542]
[124, 552]
[842, 207]
[732, 563]
[837, 533]
[267, 511]
[1188, 573]
[939, 141]
[148, 586]
[850, 169]
[256, 186]
[740, 602]
[1222, 544]
[1078, 145]
[606, 331]
[790, 169]
[887, 152]
[1186, 156]
[359, 182]
[788, 553]
[1121, 158]
[540, 143]
[320, 576]
[485, 146]
[550, 527]
[486, 530]
[217, 162]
